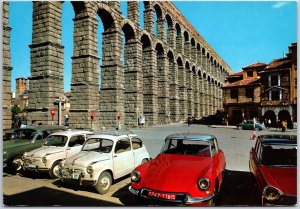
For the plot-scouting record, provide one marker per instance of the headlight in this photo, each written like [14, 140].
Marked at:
[203, 183]
[44, 159]
[135, 176]
[271, 193]
[89, 169]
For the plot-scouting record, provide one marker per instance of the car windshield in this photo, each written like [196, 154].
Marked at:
[279, 155]
[186, 147]
[56, 140]
[98, 145]
[26, 134]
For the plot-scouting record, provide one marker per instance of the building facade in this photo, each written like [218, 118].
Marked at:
[242, 94]
[279, 89]
[264, 91]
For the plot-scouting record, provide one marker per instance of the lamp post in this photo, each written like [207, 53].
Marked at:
[59, 102]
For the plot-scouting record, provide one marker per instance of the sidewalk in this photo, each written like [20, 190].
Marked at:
[221, 126]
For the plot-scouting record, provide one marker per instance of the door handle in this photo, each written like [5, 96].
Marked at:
[116, 156]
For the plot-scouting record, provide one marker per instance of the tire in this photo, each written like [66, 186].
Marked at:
[104, 182]
[256, 129]
[16, 164]
[212, 202]
[240, 128]
[54, 170]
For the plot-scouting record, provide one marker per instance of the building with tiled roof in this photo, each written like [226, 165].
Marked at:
[264, 91]
[279, 88]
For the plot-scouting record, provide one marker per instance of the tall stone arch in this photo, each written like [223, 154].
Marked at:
[174, 88]
[182, 89]
[190, 89]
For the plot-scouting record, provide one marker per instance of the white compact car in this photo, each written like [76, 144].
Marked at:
[57, 147]
[103, 158]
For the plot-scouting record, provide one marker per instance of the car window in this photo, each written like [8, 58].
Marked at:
[98, 145]
[123, 145]
[136, 143]
[279, 155]
[56, 140]
[214, 147]
[187, 147]
[27, 134]
[76, 140]
[258, 150]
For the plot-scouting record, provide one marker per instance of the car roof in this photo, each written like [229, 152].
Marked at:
[278, 139]
[42, 128]
[191, 136]
[72, 132]
[112, 135]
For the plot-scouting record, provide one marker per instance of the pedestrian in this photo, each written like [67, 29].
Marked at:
[189, 121]
[283, 125]
[19, 123]
[33, 122]
[269, 122]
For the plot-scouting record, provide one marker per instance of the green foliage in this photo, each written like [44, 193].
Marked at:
[15, 110]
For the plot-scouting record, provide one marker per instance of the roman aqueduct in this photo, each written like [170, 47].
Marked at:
[165, 71]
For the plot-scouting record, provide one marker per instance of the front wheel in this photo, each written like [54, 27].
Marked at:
[104, 182]
[240, 128]
[16, 164]
[54, 170]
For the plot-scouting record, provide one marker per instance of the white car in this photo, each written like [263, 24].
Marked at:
[104, 157]
[57, 147]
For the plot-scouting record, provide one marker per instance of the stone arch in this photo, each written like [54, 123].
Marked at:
[285, 115]
[159, 31]
[186, 36]
[107, 17]
[179, 61]
[193, 44]
[194, 69]
[170, 33]
[146, 41]
[204, 75]
[159, 49]
[129, 29]
[170, 55]
[270, 114]
[187, 65]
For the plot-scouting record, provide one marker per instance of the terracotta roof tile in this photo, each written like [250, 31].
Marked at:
[235, 75]
[255, 65]
[278, 63]
[243, 82]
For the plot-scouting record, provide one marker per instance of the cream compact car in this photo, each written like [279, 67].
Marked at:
[103, 158]
[57, 147]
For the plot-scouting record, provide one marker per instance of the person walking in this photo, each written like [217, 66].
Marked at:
[189, 121]
[283, 125]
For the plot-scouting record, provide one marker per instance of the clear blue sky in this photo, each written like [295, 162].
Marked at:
[242, 33]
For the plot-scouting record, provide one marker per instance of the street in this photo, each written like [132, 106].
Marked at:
[238, 188]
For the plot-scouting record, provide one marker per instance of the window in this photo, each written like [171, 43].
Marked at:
[136, 143]
[76, 141]
[234, 94]
[250, 93]
[122, 145]
[250, 74]
[275, 95]
[274, 80]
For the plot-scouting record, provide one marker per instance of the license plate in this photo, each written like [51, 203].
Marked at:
[31, 165]
[162, 195]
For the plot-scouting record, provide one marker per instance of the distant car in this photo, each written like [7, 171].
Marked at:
[24, 140]
[249, 125]
[8, 134]
[57, 147]
[273, 163]
[189, 170]
[103, 158]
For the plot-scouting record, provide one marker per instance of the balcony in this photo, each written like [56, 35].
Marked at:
[267, 102]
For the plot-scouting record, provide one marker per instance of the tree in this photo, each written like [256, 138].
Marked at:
[15, 110]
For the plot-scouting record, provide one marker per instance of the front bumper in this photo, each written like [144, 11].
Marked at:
[35, 165]
[186, 200]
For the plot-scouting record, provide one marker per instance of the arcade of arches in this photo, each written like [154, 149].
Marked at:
[169, 71]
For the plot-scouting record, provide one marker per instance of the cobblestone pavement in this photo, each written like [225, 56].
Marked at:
[238, 187]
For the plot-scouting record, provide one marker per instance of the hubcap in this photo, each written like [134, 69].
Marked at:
[56, 170]
[17, 163]
[105, 183]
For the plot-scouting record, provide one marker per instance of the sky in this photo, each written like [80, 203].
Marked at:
[241, 32]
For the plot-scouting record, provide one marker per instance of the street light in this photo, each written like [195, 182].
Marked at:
[59, 101]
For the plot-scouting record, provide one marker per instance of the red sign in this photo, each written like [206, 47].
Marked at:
[53, 113]
[93, 116]
[119, 115]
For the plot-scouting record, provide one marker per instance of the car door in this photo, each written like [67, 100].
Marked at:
[74, 145]
[137, 145]
[254, 162]
[123, 160]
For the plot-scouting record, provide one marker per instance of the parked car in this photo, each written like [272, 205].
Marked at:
[25, 140]
[57, 147]
[103, 158]
[249, 125]
[273, 163]
[188, 170]
[8, 134]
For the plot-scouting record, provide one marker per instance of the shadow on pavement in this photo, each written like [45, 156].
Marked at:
[238, 189]
[44, 196]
